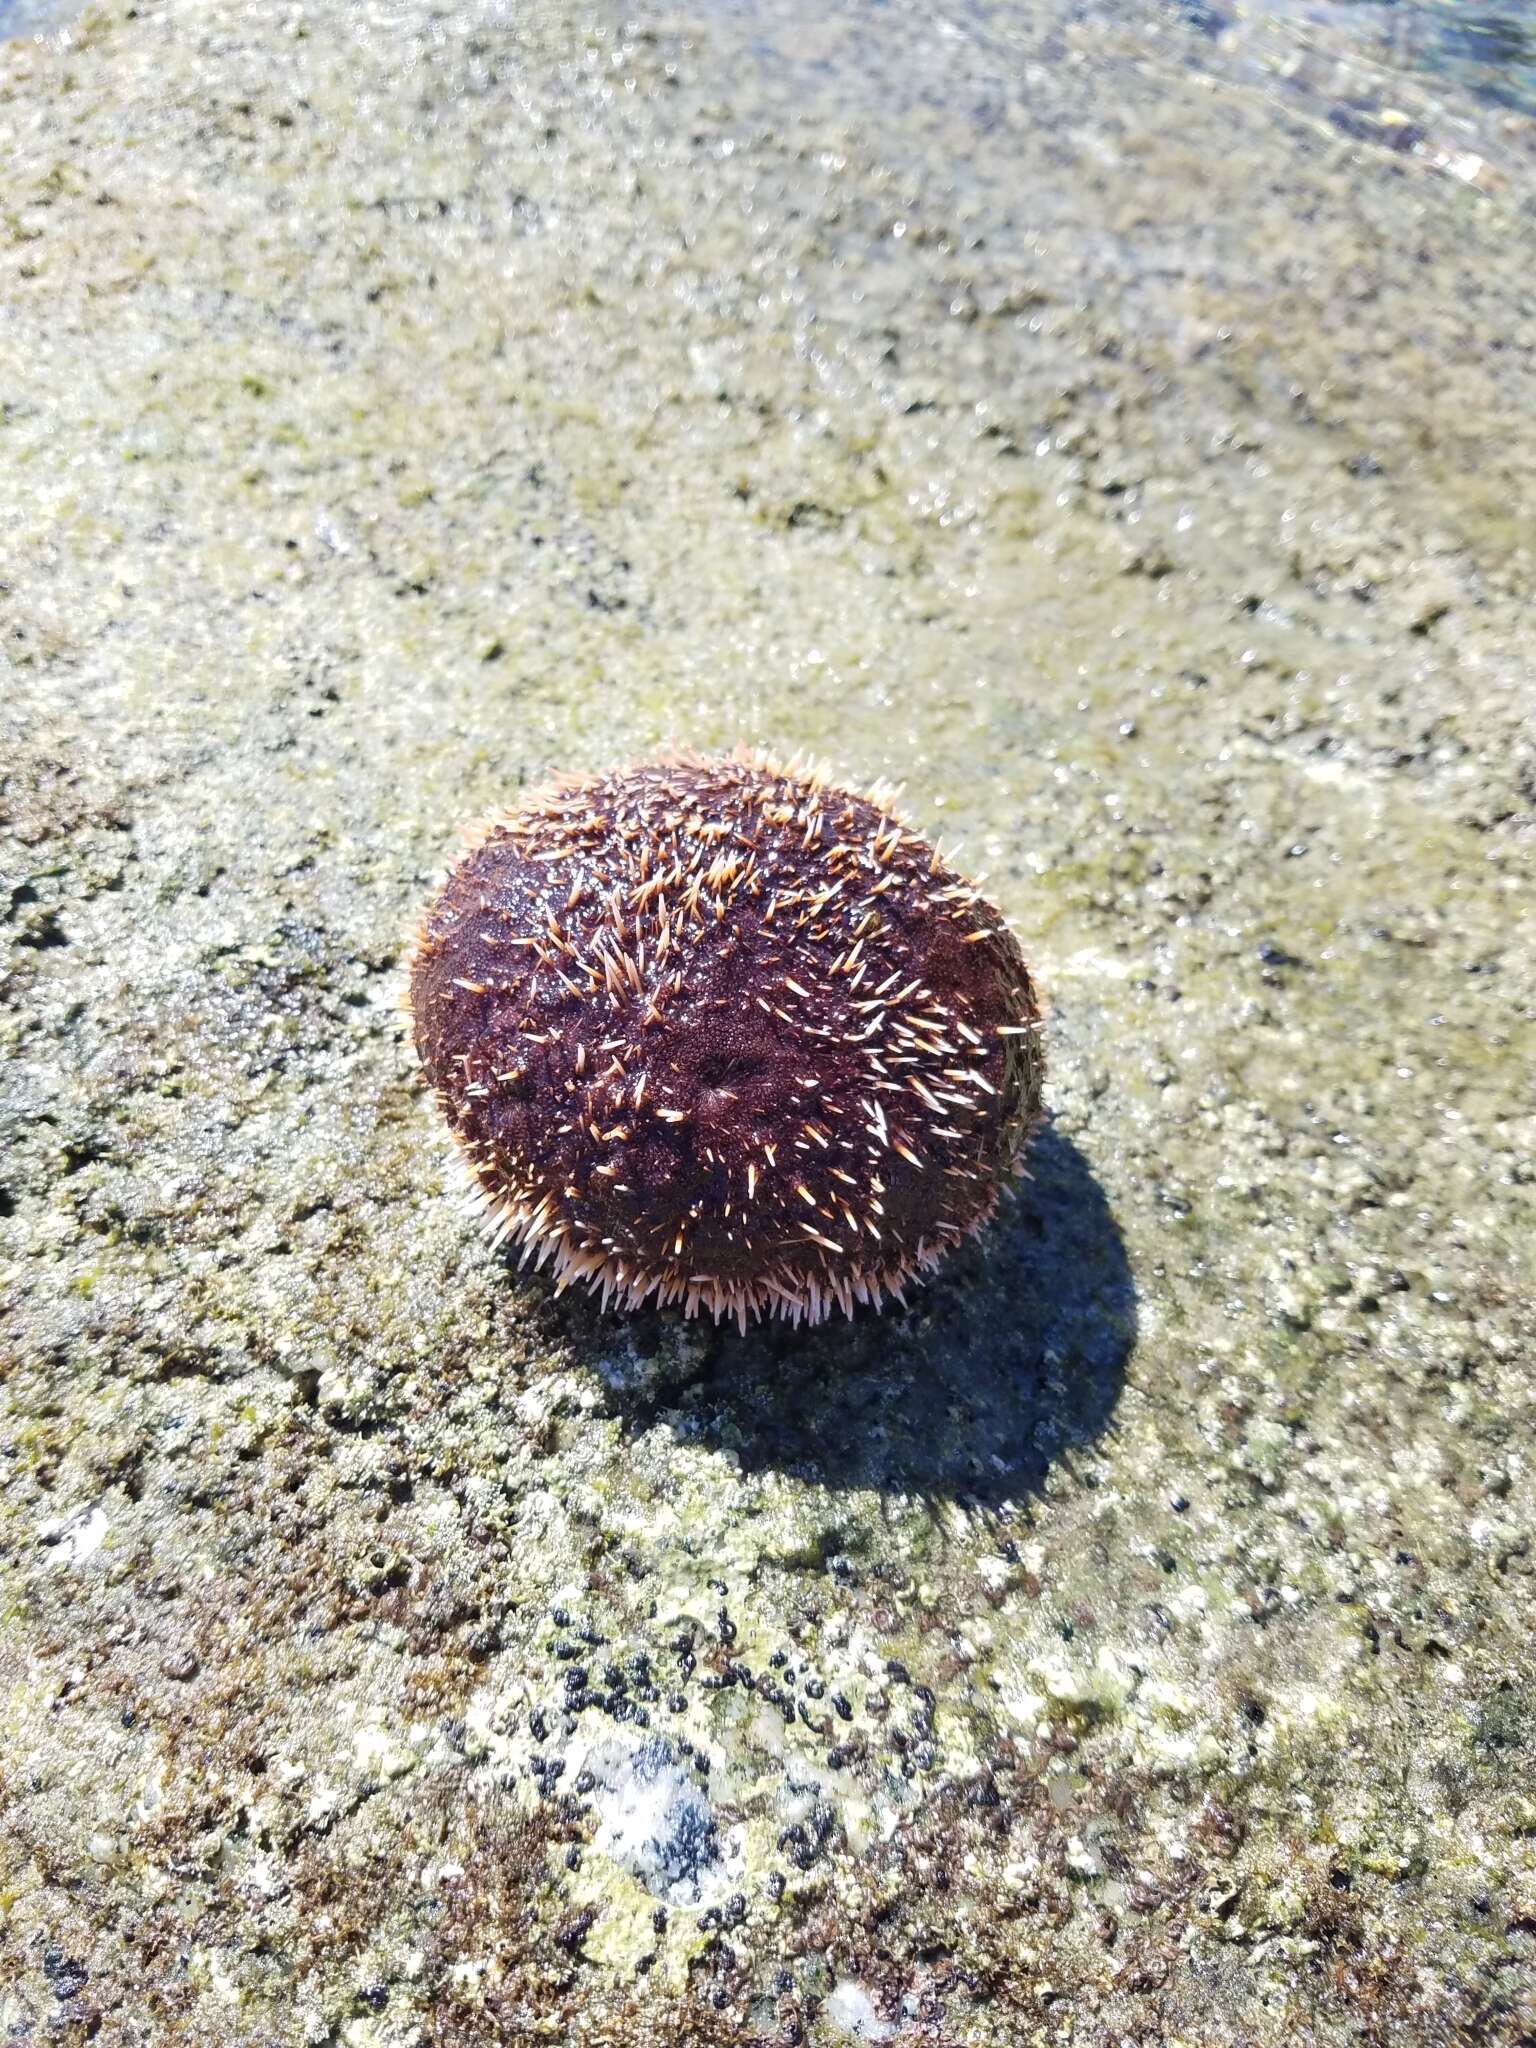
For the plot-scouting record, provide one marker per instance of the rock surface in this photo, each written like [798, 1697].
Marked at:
[1131, 1641]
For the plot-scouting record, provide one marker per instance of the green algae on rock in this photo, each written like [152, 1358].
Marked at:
[722, 1032]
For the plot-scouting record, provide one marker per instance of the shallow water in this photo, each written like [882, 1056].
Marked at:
[1490, 51]
[1427, 79]
[1486, 52]
[34, 17]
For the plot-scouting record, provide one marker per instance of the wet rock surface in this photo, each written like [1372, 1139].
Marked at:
[1130, 1640]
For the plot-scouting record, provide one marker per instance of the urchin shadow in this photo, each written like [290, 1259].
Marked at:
[1010, 1360]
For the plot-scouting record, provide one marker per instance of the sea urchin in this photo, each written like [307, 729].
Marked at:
[718, 1031]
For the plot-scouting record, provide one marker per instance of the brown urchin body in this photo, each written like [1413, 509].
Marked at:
[719, 1032]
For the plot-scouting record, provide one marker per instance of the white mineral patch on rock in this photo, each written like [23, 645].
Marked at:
[656, 1821]
[379, 1754]
[75, 1539]
[851, 2008]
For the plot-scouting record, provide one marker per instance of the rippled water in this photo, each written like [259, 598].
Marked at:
[1491, 51]
[1486, 52]
[33, 17]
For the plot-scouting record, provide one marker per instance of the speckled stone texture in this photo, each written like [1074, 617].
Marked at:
[1048, 410]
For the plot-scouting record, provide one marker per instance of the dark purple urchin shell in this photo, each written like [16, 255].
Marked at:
[718, 1031]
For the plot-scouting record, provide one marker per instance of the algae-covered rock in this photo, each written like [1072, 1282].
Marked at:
[1127, 1639]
